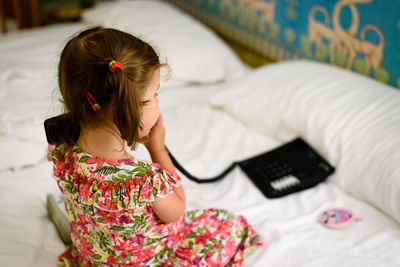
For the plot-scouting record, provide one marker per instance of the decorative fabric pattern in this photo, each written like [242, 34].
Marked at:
[109, 204]
[358, 35]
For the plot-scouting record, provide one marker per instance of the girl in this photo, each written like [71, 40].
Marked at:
[124, 211]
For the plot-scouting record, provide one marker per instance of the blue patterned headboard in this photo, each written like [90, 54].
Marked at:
[359, 35]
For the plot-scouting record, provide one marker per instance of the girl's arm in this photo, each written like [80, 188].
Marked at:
[172, 207]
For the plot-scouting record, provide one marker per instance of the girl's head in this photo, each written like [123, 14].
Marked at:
[124, 95]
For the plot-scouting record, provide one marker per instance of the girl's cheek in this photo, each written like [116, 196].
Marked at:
[156, 113]
[155, 118]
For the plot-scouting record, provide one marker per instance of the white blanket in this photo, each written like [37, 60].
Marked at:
[212, 140]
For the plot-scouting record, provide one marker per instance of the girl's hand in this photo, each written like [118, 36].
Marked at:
[156, 137]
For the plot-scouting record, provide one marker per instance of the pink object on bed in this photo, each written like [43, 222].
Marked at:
[337, 218]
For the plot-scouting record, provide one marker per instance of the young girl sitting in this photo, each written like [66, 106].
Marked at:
[124, 211]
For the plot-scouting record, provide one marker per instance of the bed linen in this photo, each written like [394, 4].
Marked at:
[212, 140]
[180, 40]
[28, 84]
[352, 120]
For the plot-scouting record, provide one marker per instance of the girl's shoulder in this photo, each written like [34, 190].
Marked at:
[75, 155]
[103, 169]
[97, 179]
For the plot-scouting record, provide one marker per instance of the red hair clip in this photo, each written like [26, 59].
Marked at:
[113, 65]
[92, 102]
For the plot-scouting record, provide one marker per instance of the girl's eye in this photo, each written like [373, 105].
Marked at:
[156, 94]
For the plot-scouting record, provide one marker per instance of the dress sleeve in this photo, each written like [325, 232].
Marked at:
[125, 189]
[164, 181]
[109, 186]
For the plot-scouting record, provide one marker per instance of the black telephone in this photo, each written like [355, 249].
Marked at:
[290, 168]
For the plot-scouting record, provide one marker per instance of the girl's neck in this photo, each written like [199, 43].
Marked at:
[102, 141]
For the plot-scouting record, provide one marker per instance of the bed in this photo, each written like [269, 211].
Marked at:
[225, 111]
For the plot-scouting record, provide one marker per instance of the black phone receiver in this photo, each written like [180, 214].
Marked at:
[59, 129]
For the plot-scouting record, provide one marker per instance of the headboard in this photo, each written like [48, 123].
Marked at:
[359, 35]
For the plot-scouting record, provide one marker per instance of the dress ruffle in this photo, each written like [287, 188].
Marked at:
[107, 186]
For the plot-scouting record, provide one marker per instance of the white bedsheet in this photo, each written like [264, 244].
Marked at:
[212, 140]
[288, 225]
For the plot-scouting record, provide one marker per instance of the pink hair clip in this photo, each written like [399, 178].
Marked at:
[92, 102]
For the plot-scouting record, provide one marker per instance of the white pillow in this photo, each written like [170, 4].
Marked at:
[352, 120]
[195, 53]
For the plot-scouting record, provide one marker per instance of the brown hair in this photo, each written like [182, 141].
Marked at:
[84, 68]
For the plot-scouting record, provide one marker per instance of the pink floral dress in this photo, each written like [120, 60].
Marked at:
[109, 203]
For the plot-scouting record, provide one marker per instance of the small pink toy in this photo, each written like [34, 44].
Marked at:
[337, 218]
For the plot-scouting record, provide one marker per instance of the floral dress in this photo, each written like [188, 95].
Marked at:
[109, 204]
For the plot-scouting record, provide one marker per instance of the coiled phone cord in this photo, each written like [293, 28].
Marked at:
[195, 179]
